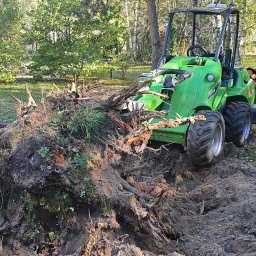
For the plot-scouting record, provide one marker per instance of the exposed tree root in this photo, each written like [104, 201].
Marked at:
[94, 235]
[61, 157]
[137, 139]
[115, 102]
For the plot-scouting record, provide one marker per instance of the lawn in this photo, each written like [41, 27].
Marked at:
[17, 89]
[38, 90]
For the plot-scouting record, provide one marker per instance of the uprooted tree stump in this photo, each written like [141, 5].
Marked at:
[61, 178]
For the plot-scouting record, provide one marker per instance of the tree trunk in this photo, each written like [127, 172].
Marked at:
[154, 32]
[135, 31]
[128, 25]
[241, 32]
[197, 25]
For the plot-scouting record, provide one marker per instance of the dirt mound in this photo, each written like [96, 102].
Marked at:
[68, 189]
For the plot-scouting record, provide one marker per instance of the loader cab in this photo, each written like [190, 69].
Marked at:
[207, 33]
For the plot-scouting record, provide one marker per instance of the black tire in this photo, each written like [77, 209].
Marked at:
[206, 138]
[238, 121]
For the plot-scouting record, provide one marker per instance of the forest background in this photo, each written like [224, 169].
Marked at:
[82, 37]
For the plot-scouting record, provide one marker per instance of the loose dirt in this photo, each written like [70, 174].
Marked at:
[64, 195]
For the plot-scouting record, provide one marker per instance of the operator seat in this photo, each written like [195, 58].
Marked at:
[226, 67]
[226, 62]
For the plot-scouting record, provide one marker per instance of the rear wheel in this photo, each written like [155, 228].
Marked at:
[238, 120]
[205, 139]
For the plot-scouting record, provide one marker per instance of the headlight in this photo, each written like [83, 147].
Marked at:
[210, 77]
[135, 105]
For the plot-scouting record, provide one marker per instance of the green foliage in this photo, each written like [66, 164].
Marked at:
[249, 35]
[105, 205]
[249, 61]
[52, 235]
[88, 192]
[71, 34]
[11, 51]
[62, 141]
[44, 152]
[29, 204]
[188, 175]
[245, 154]
[80, 162]
[54, 124]
[123, 61]
[87, 122]
[60, 204]
[55, 119]
[98, 69]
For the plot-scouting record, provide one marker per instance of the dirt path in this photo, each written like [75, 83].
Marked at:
[221, 211]
[212, 210]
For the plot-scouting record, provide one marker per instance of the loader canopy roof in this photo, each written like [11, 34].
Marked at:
[206, 10]
[205, 30]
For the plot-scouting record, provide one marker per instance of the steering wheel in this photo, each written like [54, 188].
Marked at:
[196, 50]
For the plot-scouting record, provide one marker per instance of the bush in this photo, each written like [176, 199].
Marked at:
[98, 69]
[123, 61]
[7, 75]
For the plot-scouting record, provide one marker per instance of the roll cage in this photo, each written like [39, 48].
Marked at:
[224, 12]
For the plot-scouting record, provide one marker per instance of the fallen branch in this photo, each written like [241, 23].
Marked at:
[174, 123]
[119, 122]
[78, 99]
[20, 106]
[89, 87]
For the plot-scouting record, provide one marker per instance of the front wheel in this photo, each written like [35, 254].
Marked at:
[238, 120]
[206, 138]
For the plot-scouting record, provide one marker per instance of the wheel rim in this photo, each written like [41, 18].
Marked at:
[217, 141]
[247, 126]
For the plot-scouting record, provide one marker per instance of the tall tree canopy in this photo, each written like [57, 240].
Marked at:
[67, 35]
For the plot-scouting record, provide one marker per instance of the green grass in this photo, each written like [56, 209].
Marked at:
[8, 105]
[17, 89]
[132, 72]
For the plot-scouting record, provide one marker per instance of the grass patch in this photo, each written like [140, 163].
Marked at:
[87, 122]
[39, 90]
[17, 89]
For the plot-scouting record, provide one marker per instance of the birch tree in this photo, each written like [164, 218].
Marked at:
[132, 10]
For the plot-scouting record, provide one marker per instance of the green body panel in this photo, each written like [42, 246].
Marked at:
[175, 135]
[194, 93]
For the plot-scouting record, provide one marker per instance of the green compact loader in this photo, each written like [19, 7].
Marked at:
[205, 82]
